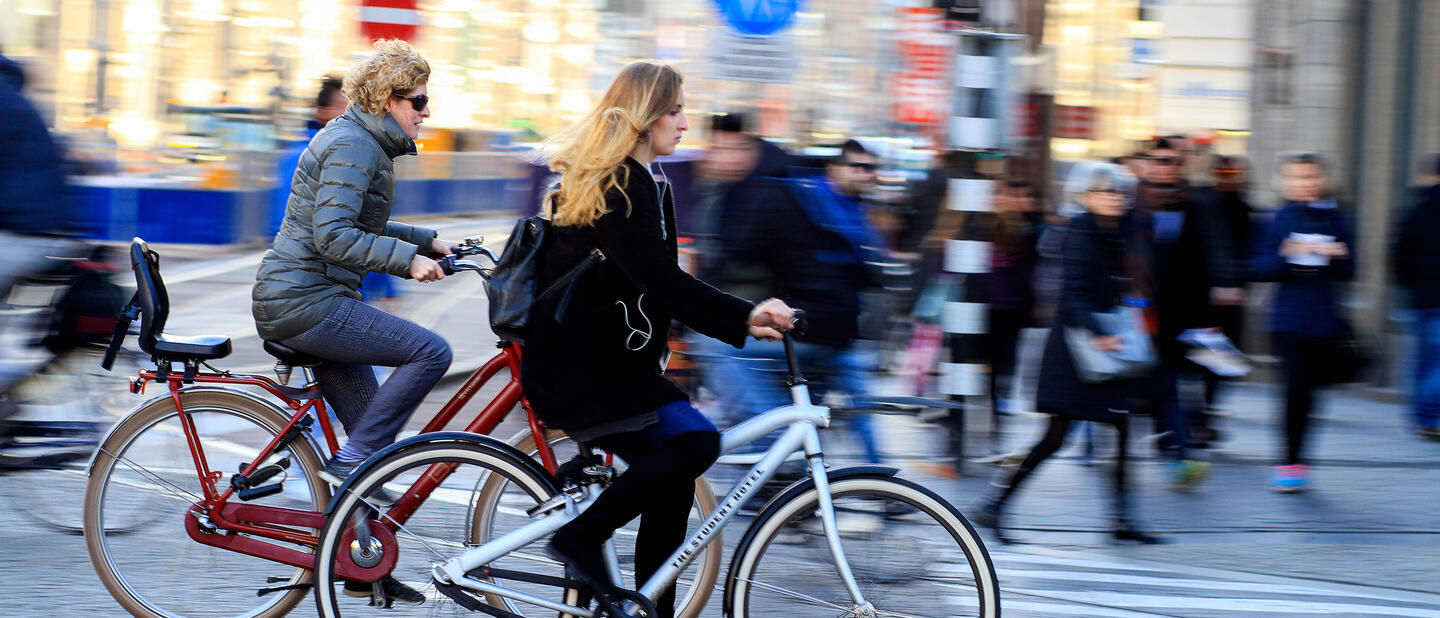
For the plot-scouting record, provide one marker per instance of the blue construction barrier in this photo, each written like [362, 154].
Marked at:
[230, 216]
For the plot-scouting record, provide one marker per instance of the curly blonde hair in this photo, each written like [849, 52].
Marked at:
[393, 68]
[590, 154]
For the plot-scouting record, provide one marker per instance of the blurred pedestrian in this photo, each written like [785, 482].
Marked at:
[815, 241]
[1417, 266]
[337, 228]
[1226, 200]
[34, 209]
[1103, 268]
[735, 170]
[1308, 251]
[1192, 269]
[1009, 288]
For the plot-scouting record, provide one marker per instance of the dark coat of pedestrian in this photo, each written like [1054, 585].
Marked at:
[32, 173]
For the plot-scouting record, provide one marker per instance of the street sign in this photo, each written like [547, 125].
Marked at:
[758, 17]
[758, 59]
[389, 19]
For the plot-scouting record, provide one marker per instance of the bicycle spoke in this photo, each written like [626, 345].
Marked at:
[174, 489]
[796, 595]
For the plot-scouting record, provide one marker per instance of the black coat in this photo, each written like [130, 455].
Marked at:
[33, 197]
[600, 363]
[1417, 254]
[1094, 279]
[1184, 268]
[808, 266]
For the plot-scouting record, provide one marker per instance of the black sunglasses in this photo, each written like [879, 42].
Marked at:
[1166, 160]
[418, 101]
[869, 167]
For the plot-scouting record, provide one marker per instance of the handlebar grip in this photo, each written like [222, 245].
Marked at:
[447, 264]
[801, 323]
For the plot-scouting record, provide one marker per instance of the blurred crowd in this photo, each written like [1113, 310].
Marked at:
[1134, 254]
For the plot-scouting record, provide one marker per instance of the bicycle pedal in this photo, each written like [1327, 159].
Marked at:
[255, 493]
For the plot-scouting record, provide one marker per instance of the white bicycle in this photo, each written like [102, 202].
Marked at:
[853, 541]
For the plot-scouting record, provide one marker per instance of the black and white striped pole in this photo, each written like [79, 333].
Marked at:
[964, 319]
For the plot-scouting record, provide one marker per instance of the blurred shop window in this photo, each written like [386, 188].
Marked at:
[1275, 76]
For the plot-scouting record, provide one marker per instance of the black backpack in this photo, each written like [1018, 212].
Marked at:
[513, 282]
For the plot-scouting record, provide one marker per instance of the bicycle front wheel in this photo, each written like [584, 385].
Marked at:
[439, 529]
[158, 570]
[912, 554]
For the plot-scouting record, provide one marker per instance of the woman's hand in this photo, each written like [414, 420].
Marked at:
[1291, 247]
[1333, 250]
[425, 269]
[1108, 343]
[442, 247]
[769, 318]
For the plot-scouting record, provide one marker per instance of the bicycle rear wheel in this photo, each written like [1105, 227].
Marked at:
[694, 584]
[159, 570]
[912, 554]
[439, 529]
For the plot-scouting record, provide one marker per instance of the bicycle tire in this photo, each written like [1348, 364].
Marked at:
[695, 592]
[230, 423]
[419, 547]
[62, 406]
[922, 575]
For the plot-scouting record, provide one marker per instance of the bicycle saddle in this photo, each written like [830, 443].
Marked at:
[291, 356]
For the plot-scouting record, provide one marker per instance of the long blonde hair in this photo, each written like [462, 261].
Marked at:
[590, 154]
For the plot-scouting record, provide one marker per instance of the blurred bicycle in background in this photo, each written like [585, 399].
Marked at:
[53, 329]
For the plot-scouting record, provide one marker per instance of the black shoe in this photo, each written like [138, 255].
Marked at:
[1128, 533]
[987, 514]
[336, 472]
[394, 591]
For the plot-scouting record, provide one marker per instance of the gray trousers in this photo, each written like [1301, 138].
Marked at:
[354, 337]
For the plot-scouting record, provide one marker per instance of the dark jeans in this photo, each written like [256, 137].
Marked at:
[1001, 343]
[1302, 356]
[1427, 367]
[351, 339]
[658, 487]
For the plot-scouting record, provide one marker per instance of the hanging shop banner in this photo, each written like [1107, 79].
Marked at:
[1075, 121]
[922, 87]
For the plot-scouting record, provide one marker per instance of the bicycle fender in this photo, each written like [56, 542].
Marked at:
[487, 442]
[791, 491]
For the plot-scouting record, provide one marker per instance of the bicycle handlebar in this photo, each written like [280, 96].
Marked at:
[801, 323]
[472, 245]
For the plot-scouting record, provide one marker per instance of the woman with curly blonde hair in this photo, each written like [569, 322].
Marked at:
[593, 363]
[336, 229]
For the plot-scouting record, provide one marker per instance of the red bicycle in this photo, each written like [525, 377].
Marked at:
[238, 457]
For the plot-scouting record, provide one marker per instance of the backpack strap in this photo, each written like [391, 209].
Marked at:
[567, 281]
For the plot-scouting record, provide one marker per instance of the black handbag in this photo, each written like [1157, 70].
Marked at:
[513, 282]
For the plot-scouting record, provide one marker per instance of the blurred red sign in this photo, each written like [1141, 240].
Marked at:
[389, 19]
[1026, 124]
[922, 85]
[1075, 121]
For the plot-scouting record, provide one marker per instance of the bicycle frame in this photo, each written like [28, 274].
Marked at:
[801, 420]
[287, 524]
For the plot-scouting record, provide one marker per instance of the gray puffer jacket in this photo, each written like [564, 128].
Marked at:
[336, 225]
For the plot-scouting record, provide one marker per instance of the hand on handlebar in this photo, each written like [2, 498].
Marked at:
[442, 247]
[769, 318]
[425, 269]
